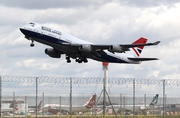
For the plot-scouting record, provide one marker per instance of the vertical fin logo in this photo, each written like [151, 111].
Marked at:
[91, 102]
[155, 100]
[40, 105]
[138, 50]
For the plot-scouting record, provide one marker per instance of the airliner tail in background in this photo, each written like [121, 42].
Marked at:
[154, 101]
[91, 102]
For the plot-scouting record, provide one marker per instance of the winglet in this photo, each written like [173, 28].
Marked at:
[156, 43]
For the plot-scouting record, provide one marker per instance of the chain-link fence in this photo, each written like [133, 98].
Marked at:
[56, 95]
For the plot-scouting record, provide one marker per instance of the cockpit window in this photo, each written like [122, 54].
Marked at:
[32, 24]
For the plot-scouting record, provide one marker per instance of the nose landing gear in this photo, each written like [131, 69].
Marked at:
[32, 42]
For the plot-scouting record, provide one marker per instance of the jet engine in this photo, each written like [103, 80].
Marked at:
[52, 53]
[85, 48]
[114, 48]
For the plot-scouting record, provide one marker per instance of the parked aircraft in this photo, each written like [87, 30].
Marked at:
[55, 108]
[80, 50]
[140, 108]
[33, 110]
[13, 108]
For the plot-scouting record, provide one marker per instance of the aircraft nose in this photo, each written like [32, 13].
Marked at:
[22, 30]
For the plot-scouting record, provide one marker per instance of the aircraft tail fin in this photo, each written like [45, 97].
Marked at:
[91, 102]
[14, 105]
[155, 100]
[138, 50]
[40, 105]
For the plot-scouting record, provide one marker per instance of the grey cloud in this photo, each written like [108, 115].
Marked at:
[148, 3]
[45, 4]
[83, 26]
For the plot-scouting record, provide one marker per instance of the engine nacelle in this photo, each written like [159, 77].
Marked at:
[85, 48]
[114, 48]
[52, 53]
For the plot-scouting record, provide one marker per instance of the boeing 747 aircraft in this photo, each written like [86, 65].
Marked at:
[80, 50]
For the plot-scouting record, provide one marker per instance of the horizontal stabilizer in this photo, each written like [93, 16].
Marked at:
[143, 59]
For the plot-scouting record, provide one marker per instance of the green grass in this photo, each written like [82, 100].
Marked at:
[101, 116]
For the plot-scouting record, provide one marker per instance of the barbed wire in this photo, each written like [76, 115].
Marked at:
[87, 80]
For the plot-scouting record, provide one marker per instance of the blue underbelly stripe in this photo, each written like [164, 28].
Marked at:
[53, 40]
[112, 59]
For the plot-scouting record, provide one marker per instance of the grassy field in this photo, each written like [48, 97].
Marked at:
[108, 116]
[92, 116]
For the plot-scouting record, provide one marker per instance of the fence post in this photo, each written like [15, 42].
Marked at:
[0, 95]
[60, 106]
[43, 104]
[124, 102]
[36, 95]
[26, 107]
[13, 103]
[163, 98]
[70, 109]
[133, 97]
[120, 104]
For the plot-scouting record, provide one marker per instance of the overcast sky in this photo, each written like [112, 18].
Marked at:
[97, 21]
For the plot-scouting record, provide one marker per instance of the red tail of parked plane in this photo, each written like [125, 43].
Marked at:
[91, 102]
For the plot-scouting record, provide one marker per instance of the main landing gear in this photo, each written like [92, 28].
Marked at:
[68, 59]
[79, 60]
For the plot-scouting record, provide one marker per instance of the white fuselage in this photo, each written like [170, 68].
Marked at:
[56, 38]
[75, 108]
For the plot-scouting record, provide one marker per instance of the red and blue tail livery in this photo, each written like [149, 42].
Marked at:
[139, 49]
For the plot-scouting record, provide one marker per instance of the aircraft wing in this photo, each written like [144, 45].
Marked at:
[114, 48]
[136, 45]
[125, 46]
